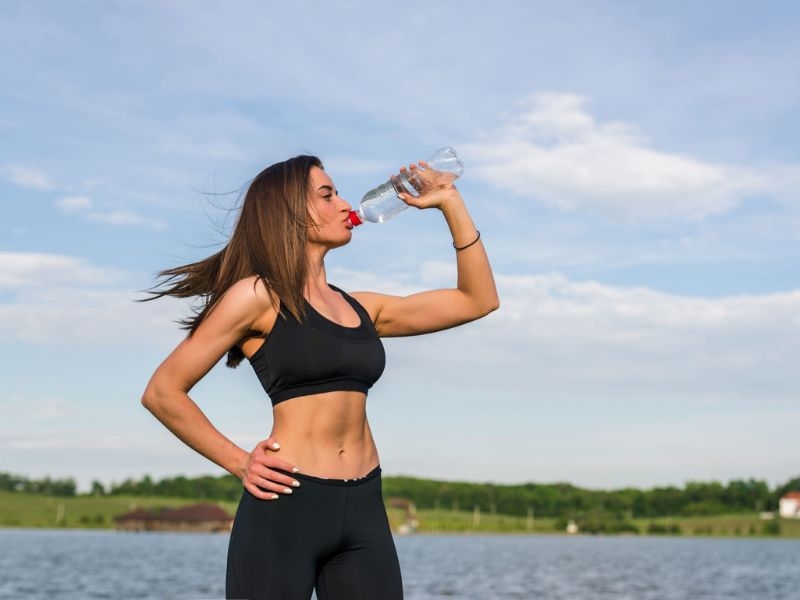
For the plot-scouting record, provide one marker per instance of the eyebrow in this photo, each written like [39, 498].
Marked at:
[326, 188]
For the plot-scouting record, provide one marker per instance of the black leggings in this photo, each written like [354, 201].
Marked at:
[330, 533]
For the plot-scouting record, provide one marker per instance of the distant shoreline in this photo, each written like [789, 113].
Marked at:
[21, 510]
[551, 534]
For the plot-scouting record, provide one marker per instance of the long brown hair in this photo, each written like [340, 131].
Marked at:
[268, 241]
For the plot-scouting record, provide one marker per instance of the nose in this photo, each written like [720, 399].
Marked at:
[345, 205]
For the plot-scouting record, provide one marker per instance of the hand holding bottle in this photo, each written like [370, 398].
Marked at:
[421, 177]
[383, 202]
[431, 188]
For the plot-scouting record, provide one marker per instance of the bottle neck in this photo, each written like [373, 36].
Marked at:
[355, 218]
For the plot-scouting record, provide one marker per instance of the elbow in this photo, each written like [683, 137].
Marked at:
[163, 398]
[149, 399]
[491, 303]
[152, 398]
[492, 306]
[486, 306]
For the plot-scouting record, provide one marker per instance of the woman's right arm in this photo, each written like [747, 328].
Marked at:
[236, 316]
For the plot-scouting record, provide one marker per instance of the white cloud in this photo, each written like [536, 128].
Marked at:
[73, 204]
[81, 205]
[585, 341]
[28, 270]
[27, 176]
[55, 299]
[556, 152]
[127, 218]
[74, 315]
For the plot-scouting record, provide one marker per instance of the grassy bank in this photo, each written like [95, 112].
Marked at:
[443, 521]
[717, 526]
[95, 512]
[98, 512]
[722, 525]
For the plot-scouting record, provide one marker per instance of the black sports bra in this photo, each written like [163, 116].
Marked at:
[318, 355]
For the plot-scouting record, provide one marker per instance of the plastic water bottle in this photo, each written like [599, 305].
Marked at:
[382, 203]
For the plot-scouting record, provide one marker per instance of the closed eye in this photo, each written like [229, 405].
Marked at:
[330, 192]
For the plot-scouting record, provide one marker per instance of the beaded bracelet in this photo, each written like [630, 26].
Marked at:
[475, 241]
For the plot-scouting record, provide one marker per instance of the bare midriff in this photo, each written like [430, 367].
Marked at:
[326, 435]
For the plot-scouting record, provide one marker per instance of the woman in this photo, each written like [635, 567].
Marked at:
[311, 514]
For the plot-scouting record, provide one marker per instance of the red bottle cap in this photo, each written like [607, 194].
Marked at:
[353, 218]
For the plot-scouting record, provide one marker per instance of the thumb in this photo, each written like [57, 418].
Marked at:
[269, 445]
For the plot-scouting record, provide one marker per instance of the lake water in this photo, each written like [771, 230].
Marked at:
[77, 564]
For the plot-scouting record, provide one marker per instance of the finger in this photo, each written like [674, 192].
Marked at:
[269, 458]
[407, 198]
[263, 471]
[263, 446]
[271, 483]
[273, 486]
[259, 493]
[274, 462]
[268, 445]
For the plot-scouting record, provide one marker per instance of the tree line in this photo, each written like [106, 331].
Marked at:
[46, 486]
[559, 500]
[565, 500]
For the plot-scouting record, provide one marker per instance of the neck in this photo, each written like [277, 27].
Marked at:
[317, 278]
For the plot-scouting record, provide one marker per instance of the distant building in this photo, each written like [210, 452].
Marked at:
[136, 520]
[410, 521]
[790, 506]
[192, 517]
[572, 527]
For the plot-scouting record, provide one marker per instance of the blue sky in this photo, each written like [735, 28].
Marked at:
[632, 166]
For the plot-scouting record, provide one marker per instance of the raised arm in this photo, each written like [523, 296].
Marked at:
[238, 315]
[474, 296]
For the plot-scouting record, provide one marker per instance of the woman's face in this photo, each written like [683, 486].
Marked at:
[328, 211]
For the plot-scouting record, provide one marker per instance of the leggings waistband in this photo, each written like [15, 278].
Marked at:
[337, 482]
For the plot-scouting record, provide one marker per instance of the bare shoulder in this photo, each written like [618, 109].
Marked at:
[250, 291]
[248, 300]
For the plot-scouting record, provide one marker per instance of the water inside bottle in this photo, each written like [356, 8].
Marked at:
[381, 204]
